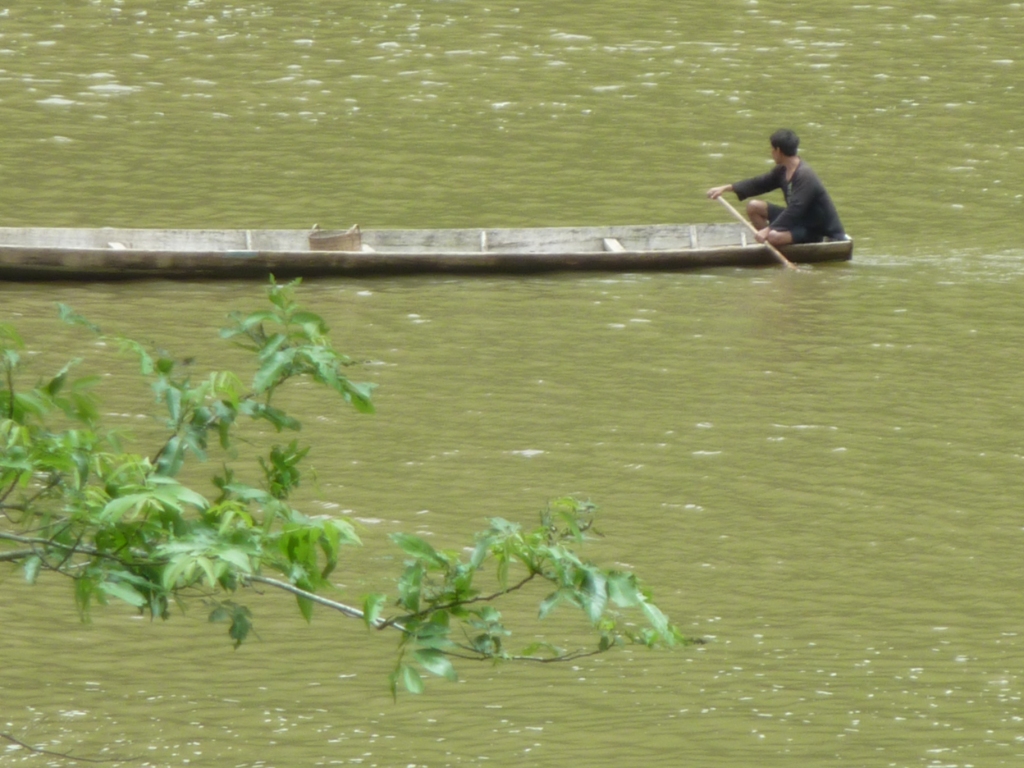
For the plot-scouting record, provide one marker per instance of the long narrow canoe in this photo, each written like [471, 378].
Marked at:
[109, 254]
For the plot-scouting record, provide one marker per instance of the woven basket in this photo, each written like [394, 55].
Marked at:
[349, 240]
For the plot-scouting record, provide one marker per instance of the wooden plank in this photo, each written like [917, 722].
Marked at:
[613, 244]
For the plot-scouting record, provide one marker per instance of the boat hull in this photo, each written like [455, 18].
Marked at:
[106, 254]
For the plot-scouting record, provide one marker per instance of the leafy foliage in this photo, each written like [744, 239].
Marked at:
[122, 526]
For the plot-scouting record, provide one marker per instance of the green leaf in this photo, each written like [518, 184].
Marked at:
[278, 418]
[9, 336]
[241, 624]
[256, 318]
[55, 384]
[209, 569]
[115, 509]
[25, 403]
[181, 567]
[503, 564]
[237, 558]
[124, 592]
[435, 633]
[69, 316]
[279, 295]
[480, 552]
[411, 679]
[31, 568]
[170, 491]
[146, 365]
[551, 650]
[84, 589]
[657, 619]
[172, 397]
[313, 326]
[548, 604]
[10, 359]
[220, 613]
[82, 407]
[409, 587]
[418, 548]
[436, 663]
[359, 394]
[595, 595]
[372, 607]
[305, 607]
[172, 457]
[623, 590]
[276, 368]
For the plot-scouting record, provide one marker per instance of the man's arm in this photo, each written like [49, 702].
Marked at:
[759, 185]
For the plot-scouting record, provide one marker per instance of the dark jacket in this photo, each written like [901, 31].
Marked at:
[808, 205]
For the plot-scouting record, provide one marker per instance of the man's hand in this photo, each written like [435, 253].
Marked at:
[716, 192]
[762, 235]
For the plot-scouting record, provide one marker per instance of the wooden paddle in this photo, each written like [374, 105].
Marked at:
[739, 216]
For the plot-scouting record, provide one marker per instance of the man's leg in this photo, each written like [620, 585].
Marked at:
[757, 212]
[780, 238]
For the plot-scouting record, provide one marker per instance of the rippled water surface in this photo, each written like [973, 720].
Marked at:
[819, 472]
[445, 113]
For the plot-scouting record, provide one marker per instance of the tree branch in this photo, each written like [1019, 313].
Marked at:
[447, 606]
[355, 613]
[53, 482]
[34, 540]
[348, 610]
[580, 654]
[18, 554]
[7, 492]
[64, 755]
[77, 549]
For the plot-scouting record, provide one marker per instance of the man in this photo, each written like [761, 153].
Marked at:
[809, 215]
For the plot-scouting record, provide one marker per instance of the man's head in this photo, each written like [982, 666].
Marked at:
[785, 141]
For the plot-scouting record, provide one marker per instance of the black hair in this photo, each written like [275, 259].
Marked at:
[785, 141]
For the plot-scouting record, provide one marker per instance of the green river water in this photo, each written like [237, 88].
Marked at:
[822, 473]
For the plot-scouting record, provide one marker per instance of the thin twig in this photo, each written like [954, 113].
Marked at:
[478, 656]
[7, 492]
[35, 540]
[77, 549]
[53, 482]
[64, 755]
[10, 391]
[71, 552]
[459, 603]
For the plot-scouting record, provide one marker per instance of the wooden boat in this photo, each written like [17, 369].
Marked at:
[109, 254]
